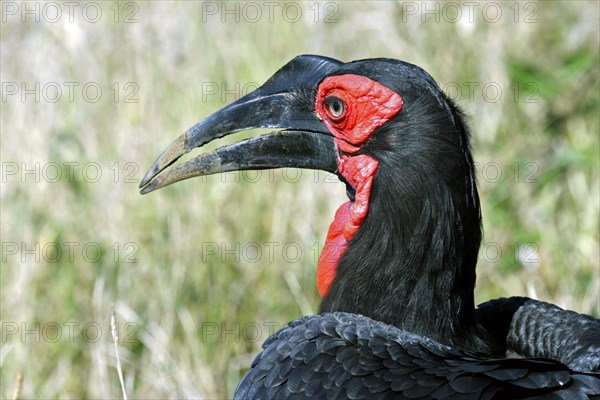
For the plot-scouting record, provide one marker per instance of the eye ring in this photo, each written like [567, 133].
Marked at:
[336, 108]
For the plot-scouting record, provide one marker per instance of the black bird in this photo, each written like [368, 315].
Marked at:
[397, 273]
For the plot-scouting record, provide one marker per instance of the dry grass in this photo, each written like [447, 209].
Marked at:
[192, 297]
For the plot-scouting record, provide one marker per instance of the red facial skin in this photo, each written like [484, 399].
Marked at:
[367, 106]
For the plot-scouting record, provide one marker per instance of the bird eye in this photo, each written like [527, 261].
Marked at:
[336, 107]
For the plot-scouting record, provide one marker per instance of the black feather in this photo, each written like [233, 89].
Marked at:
[438, 371]
[531, 328]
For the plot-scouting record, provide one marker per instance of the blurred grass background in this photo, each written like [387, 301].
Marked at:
[200, 273]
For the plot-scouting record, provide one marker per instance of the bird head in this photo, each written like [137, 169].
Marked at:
[390, 134]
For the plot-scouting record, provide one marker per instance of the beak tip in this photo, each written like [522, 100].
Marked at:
[152, 185]
[175, 150]
[151, 173]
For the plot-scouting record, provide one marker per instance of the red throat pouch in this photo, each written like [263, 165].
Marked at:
[359, 171]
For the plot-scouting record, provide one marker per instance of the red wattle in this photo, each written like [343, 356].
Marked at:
[335, 246]
[359, 171]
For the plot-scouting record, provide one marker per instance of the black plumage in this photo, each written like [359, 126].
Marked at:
[399, 319]
[531, 328]
[349, 356]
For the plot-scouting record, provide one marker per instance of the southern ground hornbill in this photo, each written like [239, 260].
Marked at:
[397, 272]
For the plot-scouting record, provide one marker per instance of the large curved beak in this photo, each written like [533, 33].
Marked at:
[285, 101]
